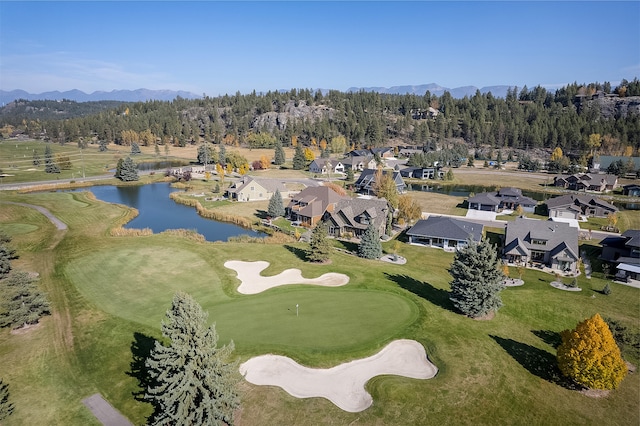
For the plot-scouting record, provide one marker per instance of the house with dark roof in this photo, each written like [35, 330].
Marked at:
[572, 206]
[367, 179]
[422, 172]
[359, 163]
[352, 216]
[309, 205]
[504, 198]
[624, 252]
[631, 190]
[444, 232]
[547, 243]
[597, 182]
[251, 189]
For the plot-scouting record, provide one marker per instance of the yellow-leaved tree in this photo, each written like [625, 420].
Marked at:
[590, 356]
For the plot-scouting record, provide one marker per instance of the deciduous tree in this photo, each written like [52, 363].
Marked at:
[590, 356]
[477, 279]
[194, 381]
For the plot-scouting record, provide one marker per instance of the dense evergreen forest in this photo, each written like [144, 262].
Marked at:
[525, 119]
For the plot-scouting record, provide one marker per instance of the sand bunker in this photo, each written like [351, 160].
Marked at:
[344, 384]
[252, 282]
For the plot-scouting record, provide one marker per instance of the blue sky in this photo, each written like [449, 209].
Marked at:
[222, 47]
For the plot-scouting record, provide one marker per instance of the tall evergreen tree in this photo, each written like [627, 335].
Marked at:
[195, 383]
[21, 302]
[299, 160]
[279, 157]
[135, 148]
[590, 356]
[50, 166]
[276, 206]
[222, 155]
[319, 246]
[477, 279]
[6, 407]
[370, 246]
[7, 254]
[36, 158]
[127, 171]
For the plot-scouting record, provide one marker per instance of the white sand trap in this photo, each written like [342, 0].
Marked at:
[344, 384]
[252, 282]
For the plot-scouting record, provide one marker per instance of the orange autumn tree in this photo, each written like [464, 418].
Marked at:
[590, 356]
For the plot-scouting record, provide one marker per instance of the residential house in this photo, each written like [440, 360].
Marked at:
[632, 190]
[422, 172]
[367, 179]
[352, 216]
[309, 205]
[624, 251]
[444, 232]
[408, 151]
[572, 206]
[547, 243]
[322, 165]
[383, 152]
[251, 189]
[359, 163]
[597, 182]
[504, 198]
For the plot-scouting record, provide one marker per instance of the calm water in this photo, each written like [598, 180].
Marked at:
[159, 213]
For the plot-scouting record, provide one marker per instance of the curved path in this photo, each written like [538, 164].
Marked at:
[253, 283]
[344, 385]
[57, 222]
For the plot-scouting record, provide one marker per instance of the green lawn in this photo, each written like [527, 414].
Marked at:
[110, 293]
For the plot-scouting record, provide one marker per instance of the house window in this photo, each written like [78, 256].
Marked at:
[539, 242]
[537, 256]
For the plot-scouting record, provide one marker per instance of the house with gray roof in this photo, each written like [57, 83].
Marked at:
[624, 252]
[572, 206]
[546, 243]
[322, 165]
[504, 198]
[444, 232]
[352, 216]
[367, 179]
[597, 182]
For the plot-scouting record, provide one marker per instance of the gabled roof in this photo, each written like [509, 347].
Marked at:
[247, 180]
[578, 200]
[633, 237]
[486, 198]
[446, 227]
[348, 210]
[516, 247]
[317, 200]
[553, 233]
[368, 176]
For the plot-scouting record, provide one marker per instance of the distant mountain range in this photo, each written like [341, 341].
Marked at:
[436, 89]
[139, 95]
[142, 95]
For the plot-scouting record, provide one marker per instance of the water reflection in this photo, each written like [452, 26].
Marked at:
[159, 213]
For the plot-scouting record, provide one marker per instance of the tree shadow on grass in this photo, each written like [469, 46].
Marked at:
[551, 338]
[536, 361]
[261, 214]
[425, 290]
[298, 252]
[141, 350]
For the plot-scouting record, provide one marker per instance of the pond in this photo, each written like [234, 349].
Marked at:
[159, 213]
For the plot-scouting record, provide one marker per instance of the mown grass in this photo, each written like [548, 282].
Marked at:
[498, 371]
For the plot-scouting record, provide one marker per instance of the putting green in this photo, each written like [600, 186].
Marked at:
[138, 284]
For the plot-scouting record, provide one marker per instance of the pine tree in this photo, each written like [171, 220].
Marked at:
[6, 407]
[590, 356]
[7, 254]
[349, 177]
[21, 302]
[127, 171]
[36, 158]
[370, 246]
[299, 160]
[477, 279]
[50, 166]
[195, 383]
[276, 206]
[319, 246]
[102, 146]
[222, 155]
[278, 157]
[135, 148]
